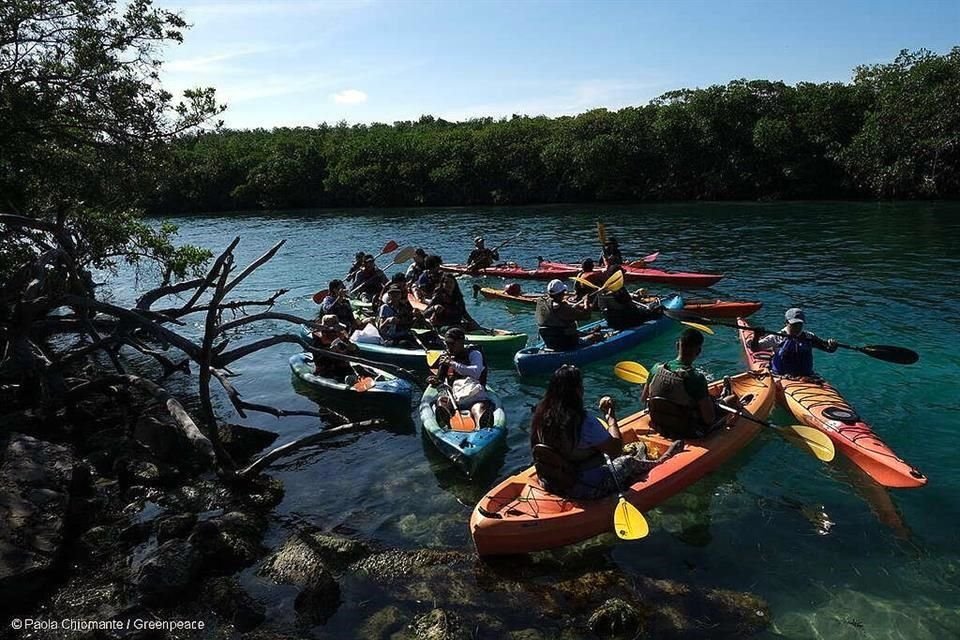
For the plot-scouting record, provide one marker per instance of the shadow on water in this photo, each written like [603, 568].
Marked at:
[466, 489]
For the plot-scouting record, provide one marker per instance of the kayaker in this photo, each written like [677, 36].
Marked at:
[568, 444]
[481, 257]
[337, 303]
[557, 319]
[448, 308]
[623, 312]
[611, 251]
[792, 347]
[416, 267]
[396, 317]
[356, 267]
[681, 405]
[331, 335]
[464, 368]
[429, 279]
[587, 272]
[370, 281]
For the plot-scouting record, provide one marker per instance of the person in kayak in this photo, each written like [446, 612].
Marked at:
[623, 312]
[356, 267]
[677, 396]
[568, 445]
[611, 251]
[557, 319]
[337, 303]
[792, 347]
[370, 281]
[481, 257]
[587, 272]
[395, 318]
[428, 281]
[448, 308]
[464, 368]
[416, 267]
[331, 335]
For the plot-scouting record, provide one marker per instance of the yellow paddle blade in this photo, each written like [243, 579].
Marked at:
[631, 372]
[432, 357]
[601, 232]
[615, 282]
[628, 522]
[809, 439]
[585, 282]
[699, 327]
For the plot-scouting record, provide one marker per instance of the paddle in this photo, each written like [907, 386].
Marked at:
[807, 438]
[404, 255]
[644, 261]
[885, 352]
[812, 440]
[628, 522]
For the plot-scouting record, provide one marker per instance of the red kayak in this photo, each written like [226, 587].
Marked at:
[640, 274]
[546, 271]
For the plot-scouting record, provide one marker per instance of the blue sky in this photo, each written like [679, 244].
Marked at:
[302, 62]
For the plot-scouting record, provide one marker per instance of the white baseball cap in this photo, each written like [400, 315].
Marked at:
[556, 287]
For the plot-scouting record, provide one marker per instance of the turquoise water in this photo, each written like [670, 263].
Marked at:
[834, 554]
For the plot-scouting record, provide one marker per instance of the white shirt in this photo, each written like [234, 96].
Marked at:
[472, 370]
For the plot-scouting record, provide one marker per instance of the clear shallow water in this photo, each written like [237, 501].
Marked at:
[835, 555]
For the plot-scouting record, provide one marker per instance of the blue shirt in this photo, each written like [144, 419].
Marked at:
[593, 435]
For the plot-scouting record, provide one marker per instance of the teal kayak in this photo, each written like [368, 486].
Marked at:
[372, 382]
[467, 449]
[538, 359]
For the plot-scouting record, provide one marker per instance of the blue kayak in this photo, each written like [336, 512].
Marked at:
[467, 449]
[539, 359]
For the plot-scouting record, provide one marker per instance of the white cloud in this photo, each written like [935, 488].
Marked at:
[349, 96]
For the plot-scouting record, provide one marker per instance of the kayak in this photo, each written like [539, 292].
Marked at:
[384, 386]
[642, 274]
[515, 271]
[520, 516]
[495, 343]
[467, 449]
[816, 403]
[405, 357]
[540, 359]
[702, 307]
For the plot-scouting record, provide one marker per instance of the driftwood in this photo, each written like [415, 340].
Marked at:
[284, 450]
[54, 279]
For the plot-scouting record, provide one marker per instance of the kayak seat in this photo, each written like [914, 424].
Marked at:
[556, 473]
[557, 339]
[672, 419]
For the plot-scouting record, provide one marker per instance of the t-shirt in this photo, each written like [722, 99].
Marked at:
[592, 435]
[694, 383]
[391, 330]
[773, 340]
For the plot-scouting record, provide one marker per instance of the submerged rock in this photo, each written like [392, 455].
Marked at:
[229, 601]
[165, 575]
[615, 617]
[229, 542]
[243, 442]
[299, 562]
[440, 624]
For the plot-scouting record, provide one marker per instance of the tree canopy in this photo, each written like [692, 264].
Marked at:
[890, 133]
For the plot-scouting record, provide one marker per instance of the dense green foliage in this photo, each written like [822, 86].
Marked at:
[894, 132]
[85, 126]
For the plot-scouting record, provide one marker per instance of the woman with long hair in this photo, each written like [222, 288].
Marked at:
[569, 445]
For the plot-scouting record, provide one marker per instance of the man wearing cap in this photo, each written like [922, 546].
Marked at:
[356, 267]
[481, 257]
[557, 318]
[370, 281]
[396, 317]
[331, 336]
[792, 347]
[464, 368]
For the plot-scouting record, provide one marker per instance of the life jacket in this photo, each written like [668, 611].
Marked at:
[464, 358]
[669, 385]
[794, 357]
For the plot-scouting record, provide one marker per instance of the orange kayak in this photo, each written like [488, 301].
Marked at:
[520, 516]
[816, 403]
[708, 308]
